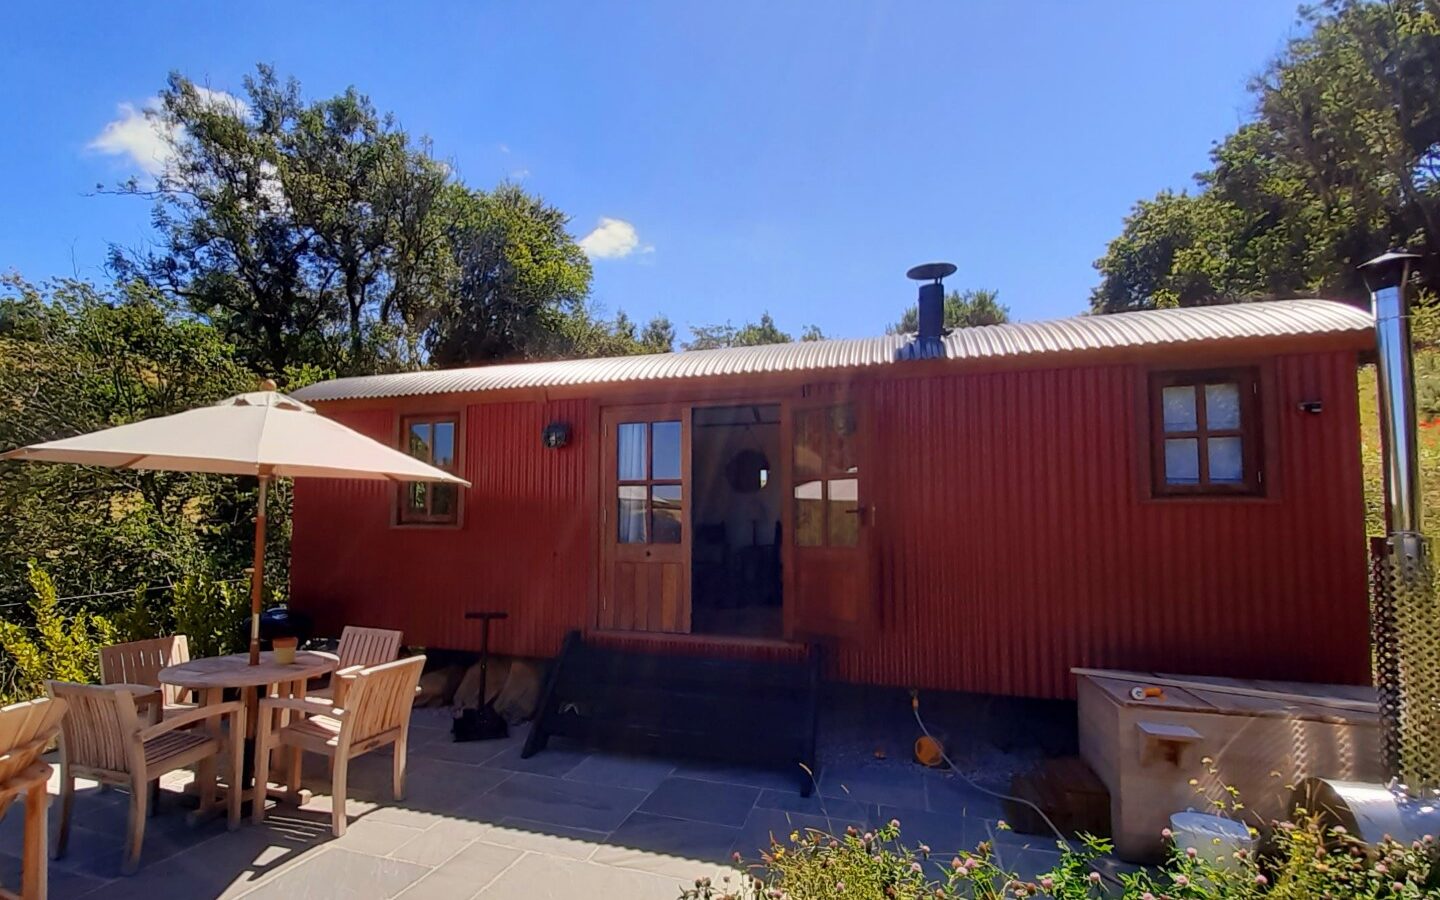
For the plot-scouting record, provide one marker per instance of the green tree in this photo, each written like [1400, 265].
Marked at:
[751, 334]
[963, 309]
[306, 232]
[75, 359]
[519, 285]
[1341, 161]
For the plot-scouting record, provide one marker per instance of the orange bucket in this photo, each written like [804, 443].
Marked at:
[929, 752]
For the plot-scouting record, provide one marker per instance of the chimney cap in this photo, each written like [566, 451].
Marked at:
[1389, 256]
[931, 271]
[1387, 270]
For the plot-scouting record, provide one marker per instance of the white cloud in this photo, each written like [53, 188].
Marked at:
[613, 239]
[519, 174]
[148, 141]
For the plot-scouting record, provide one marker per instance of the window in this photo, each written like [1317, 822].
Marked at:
[827, 484]
[648, 478]
[1204, 432]
[430, 439]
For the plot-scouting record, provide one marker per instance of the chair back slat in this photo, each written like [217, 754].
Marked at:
[367, 646]
[25, 730]
[99, 728]
[140, 662]
[380, 698]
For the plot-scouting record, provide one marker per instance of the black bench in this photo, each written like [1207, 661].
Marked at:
[737, 711]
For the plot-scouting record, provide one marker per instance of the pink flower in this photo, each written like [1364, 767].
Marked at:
[1094, 877]
[1181, 880]
[1166, 833]
[1261, 880]
[1047, 883]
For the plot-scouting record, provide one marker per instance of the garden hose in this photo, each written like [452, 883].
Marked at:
[1059, 835]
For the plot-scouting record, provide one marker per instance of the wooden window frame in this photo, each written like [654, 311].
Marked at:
[650, 482]
[1252, 454]
[404, 516]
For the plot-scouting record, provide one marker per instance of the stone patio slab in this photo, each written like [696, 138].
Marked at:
[879, 782]
[535, 877]
[337, 874]
[465, 873]
[623, 771]
[554, 801]
[637, 840]
[701, 801]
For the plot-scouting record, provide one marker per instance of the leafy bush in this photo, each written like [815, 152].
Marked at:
[52, 646]
[211, 614]
[1304, 861]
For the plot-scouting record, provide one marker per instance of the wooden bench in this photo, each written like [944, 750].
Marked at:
[740, 711]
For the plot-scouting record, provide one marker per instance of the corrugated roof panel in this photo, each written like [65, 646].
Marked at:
[1147, 328]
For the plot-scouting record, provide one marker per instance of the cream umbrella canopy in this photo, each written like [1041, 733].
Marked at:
[264, 433]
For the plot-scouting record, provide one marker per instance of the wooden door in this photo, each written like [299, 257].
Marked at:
[829, 520]
[645, 522]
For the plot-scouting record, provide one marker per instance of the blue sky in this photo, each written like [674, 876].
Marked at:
[788, 157]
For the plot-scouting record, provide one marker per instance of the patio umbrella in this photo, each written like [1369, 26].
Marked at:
[264, 433]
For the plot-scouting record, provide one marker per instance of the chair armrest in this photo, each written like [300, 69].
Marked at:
[190, 717]
[313, 706]
[340, 683]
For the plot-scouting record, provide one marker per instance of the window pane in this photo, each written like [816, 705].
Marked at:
[420, 440]
[630, 448]
[1227, 461]
[666, 508]
[630, 515]
[1178, 406]
[415, 496]
[1222, 406]
[843, 456]
[809, 514]
[444, 444]
[665, 444]
[442, 499]
[1182, 461]
[809, 444]
[844, 520]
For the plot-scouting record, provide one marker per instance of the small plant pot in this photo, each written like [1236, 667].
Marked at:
[285, 650]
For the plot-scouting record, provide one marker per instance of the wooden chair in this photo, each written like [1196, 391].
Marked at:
[26, 729]
[359, 647]
[103, 738]
[376, 712]
[140, 662]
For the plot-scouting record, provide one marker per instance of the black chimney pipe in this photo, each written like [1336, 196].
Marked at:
[932, 298]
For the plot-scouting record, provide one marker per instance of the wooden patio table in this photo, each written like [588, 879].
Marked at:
[210, 677]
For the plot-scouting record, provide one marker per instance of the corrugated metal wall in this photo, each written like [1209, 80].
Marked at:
[524, 547]
[1014, 539]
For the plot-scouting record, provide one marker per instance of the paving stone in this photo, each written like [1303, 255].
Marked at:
[573, 804]
[556, 840]
[623, 771]
[839, 811]
[749, 776]
[701, 801]
[226, 865]
[879, 782]
[554, 761]
[640, 837]
[1029, 865]
[436, 844]
[337, 874]
[761, 824]
[62, 883]
[537, 877]
[949, 794]
[366, 835]
[465, 873]
[945, 835]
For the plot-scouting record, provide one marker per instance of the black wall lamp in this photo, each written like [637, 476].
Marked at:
[555, 435]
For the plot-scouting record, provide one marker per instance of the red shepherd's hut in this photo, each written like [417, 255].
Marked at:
[980, 510]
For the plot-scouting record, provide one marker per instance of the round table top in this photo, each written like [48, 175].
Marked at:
[235, 671]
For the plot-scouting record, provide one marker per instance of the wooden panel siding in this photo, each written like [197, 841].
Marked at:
[1015, 535]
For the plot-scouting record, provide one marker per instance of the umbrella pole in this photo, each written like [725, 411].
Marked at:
[257, 574]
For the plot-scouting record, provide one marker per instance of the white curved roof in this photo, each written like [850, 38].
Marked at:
[1148, 328]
